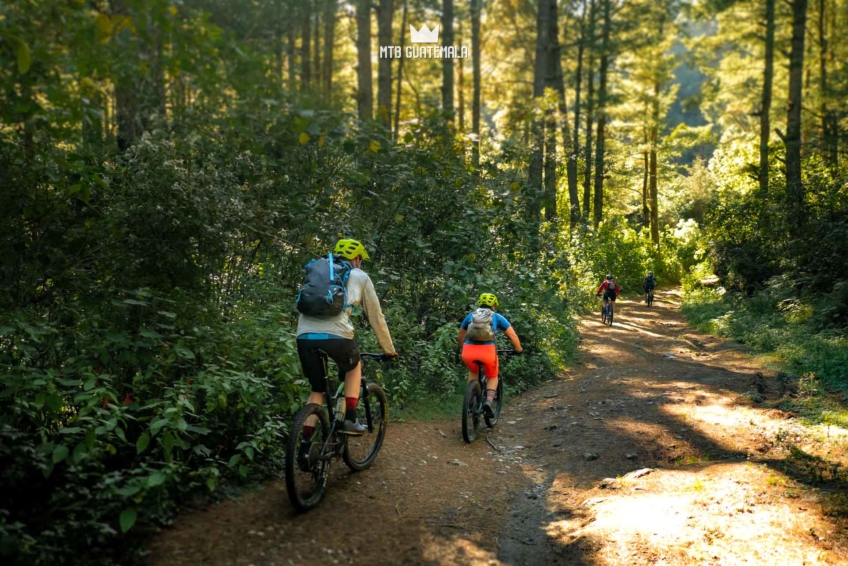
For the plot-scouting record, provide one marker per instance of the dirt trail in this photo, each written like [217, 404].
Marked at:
[651, 450]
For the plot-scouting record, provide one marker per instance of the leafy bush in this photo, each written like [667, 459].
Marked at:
[628, 254]
[147, 350]
[773, 320]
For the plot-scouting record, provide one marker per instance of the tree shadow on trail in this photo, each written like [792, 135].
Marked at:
[638, 409]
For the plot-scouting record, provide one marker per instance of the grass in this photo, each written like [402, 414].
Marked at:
[792, 340]
[428, 409]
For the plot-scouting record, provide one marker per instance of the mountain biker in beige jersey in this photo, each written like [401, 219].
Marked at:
[335, 337]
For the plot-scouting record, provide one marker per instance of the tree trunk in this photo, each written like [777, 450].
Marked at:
[460, 71]
[534, 172]
[550, 166]
[552, 53]
[137, 97]
[403, 25]
[559, 85]
[578, 80]
[652, 175]
[792, 139]
[600, 170]
[385, 15]
[652, 187]
[316, 54]
[646, 218]
[590, 100]
[306, 45]
[291, 47]
[829, 123]
[278, 44]
[765, 112]
[92, 112]
[475, 64]
[364, 78]
[447, 62]
[329, 41]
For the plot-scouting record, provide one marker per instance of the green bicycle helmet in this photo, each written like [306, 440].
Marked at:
[487, 300]
[349, 249]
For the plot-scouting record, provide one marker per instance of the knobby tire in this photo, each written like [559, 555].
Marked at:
[303, 499]
[496, 406]
[470, 411]
[379, 419]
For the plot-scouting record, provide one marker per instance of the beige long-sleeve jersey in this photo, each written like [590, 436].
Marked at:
[360, 291]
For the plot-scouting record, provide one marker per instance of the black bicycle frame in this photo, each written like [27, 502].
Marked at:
[363, 384]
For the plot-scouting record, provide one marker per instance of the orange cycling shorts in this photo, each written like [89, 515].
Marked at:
[485, 353]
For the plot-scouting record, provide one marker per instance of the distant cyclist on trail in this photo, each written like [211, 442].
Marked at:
[650, 282]
[477, 340]
[329, 330]
[610, 290]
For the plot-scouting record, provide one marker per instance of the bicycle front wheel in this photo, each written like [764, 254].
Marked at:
[496, 406]
[471, 411]
[307, 468]
[361, 451]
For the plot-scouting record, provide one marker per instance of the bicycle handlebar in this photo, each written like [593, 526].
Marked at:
[379, 357]
[510, 352]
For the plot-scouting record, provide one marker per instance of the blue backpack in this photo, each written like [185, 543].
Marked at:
[323, 294]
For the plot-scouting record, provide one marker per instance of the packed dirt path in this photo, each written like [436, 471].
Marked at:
[657, 447]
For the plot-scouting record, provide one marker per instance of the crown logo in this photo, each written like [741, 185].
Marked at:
[424, 35]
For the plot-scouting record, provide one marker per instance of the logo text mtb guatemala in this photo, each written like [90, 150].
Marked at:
[424, 35]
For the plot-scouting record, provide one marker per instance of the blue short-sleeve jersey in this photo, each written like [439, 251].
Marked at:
[498, 321]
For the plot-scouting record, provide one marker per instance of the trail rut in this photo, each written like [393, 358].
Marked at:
[651, 450]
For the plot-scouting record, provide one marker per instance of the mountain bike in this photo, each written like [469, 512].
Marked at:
[472, 403]
[308, 460]
[649, 297]
[606, 312]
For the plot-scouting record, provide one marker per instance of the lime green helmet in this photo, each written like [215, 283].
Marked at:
[349, 249]
[487, 300]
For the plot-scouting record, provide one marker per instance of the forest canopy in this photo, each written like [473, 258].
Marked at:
[168, 167]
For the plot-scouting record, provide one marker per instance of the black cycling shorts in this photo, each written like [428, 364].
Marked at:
[343, 351]
[609, 295]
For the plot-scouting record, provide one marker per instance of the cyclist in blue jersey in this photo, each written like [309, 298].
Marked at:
[477, 340]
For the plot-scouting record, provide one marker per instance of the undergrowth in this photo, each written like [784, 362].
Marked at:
[797, 334]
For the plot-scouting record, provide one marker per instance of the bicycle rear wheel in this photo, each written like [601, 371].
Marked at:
[361, 451]
[650, 298]
[496, 406]
[306, 470]
[471, 411]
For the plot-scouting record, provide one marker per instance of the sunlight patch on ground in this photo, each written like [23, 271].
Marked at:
[717, 514]
[455, 550]
[738, 421]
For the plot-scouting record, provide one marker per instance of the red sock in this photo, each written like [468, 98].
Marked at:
[351, 403]
[490, 395]
[307, 431]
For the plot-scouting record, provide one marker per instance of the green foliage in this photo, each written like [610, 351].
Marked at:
[795, 331]
[147, 330]
[749, 234]
[628, 255]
